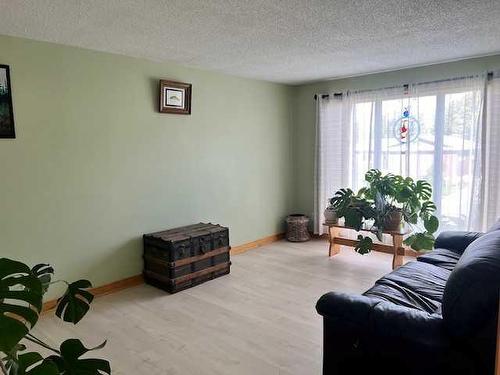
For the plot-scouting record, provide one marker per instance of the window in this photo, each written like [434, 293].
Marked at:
[440, 145]
[442, 142]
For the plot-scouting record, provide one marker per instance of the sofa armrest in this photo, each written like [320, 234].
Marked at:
[404, 326]
[350, 308]
[456, 241]
[346, 319]
[383, 319]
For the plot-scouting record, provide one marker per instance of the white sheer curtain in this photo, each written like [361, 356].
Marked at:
[440, 138]
[488, 192]
[333, 141]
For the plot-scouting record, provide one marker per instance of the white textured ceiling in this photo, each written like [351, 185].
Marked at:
[289, 41]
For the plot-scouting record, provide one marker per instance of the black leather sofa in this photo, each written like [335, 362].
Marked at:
[435, 315]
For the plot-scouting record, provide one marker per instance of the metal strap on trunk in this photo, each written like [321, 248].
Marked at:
[185, 261]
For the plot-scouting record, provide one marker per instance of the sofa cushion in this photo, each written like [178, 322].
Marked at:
[417, 285]
[389, 291]
[442, 258]
[471, 295]
[456, 241]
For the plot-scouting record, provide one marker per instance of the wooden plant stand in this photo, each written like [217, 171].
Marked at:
[396, 249]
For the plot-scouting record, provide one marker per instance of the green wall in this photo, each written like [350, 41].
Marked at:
[305, 112]
[95, 166]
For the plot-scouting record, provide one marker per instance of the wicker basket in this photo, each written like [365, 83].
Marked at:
[297, 228]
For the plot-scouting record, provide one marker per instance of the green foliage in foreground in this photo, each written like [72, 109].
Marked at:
[21, 293]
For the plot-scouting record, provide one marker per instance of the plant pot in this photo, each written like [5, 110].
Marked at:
[330, 215]
[393, 221]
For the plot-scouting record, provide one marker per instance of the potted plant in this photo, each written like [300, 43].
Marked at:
[21, 293]
[330, 214]
[385, 204]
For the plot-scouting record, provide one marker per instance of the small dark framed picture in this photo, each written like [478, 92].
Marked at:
[175, 97]
[6, 109]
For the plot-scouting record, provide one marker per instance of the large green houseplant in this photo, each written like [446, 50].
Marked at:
[386, 202]
[21, 293]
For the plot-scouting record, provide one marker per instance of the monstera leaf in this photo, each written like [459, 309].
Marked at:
[431, 224]
[420, 241]
[69, 362]
[44, 272]
[75, 303]
[404, 194]
[423, 189]
[428, 207]
[341, 200]
[372, 175]
[364, 245]
[354, 219]
[20, 302]
[32, 364]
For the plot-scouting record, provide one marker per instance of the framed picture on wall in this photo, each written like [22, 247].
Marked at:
[175, 97]
[6, 109]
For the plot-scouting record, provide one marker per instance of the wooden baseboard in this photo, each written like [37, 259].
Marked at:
[261, 242]
[116, 286]
[138, 279]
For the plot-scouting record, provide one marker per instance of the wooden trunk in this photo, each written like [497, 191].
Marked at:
[180, 258]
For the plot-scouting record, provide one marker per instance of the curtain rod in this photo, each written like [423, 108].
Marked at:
[404, 86]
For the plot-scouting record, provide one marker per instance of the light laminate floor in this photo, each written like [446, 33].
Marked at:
[259, 320]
